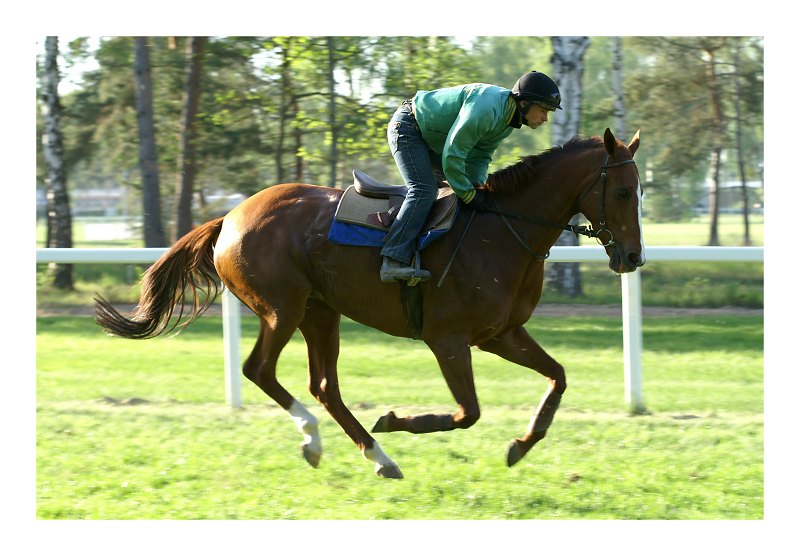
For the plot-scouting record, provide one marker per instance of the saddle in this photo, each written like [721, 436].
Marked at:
[364, 215]
[372, 204]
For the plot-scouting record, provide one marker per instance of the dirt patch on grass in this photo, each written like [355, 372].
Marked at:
[546, 310]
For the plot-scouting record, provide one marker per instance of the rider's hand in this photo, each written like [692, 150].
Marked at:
[478, 202]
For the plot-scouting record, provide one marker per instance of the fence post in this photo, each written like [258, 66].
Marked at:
[632, 339]
[231, 338]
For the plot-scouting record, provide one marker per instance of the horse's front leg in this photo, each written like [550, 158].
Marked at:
[455, 362]
[517, 346]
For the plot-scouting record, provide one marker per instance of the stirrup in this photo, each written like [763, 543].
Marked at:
[411, 275]
[417, 277]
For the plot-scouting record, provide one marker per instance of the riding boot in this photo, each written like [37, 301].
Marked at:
[392, 270]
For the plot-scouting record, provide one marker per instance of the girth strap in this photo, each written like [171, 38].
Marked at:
[412, 308]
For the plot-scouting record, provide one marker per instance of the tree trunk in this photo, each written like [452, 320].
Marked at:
[620, 127]
[283, 116]
[334, 156]
[739, 149]
[713, 195]
[186, 152]
[298, 144]
[567, 64]
[719, 142]
[148, 159]
[59, 217]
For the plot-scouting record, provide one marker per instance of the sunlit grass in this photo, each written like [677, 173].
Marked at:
[139, 430]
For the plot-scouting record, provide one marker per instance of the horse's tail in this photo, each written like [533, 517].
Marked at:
[188, 267]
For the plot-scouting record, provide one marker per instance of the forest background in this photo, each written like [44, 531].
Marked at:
[274, 109]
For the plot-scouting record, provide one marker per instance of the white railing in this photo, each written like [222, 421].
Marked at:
[631, 299]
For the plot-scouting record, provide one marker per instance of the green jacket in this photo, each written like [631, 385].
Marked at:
[465, 124]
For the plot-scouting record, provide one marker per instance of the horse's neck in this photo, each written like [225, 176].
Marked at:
[553, 197]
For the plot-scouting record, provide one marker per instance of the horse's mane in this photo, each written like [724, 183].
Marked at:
[511, 179]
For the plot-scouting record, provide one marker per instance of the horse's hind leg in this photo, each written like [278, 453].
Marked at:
[320, 328]
[455, 362]
[261, 367]
[517, 346]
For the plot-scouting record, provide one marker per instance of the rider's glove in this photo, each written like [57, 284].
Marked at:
[478, 202]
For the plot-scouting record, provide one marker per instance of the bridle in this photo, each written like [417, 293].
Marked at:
[587, 231]
[602, 178]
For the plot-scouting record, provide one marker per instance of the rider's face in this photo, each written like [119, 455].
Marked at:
[536, 116]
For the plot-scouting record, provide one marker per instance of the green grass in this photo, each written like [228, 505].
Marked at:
[183, 454]
[697, 231]
[674, 284]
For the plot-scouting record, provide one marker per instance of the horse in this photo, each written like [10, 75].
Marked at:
[272, 252]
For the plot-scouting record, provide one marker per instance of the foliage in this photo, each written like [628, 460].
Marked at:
[670, 97]
[258, 92]
[501, 61]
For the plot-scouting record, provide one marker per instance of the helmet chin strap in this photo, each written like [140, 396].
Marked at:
[524, 109]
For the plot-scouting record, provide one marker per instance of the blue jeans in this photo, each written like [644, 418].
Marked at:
[416, 162]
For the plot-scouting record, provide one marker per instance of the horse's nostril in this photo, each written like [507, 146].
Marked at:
[636, 259]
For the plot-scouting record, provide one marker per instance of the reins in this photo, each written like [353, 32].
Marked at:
[587, 231]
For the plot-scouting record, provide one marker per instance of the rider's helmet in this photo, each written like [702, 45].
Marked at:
[538, 88]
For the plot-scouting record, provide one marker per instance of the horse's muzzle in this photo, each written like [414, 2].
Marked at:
[621, 261]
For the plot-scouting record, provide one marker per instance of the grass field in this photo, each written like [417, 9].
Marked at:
[131, 430]
[139, 430]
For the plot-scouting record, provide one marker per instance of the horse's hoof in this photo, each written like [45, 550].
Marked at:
[515, 453]
[311, 455]
[388, 471]
[382, 424]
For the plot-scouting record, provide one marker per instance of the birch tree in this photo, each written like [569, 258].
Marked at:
[59, 218]
[148, 158]
[567, 69]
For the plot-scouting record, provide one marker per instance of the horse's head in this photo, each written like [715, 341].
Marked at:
[613, 204]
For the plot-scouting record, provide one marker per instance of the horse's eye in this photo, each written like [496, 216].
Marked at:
[623, 194]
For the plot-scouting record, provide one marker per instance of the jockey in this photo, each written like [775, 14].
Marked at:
[454, 131]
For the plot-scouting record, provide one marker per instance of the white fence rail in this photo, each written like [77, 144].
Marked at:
[631, 299]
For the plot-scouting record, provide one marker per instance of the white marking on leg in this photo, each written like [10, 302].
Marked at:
[306, 423]
[381, 460]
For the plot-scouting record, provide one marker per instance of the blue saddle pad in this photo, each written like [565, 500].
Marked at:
[346, 233]
[358, 218]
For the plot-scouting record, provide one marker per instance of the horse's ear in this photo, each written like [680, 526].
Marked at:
[610, 142]
[634, 143]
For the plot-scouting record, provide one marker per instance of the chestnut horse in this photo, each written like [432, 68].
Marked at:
[272, 252]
